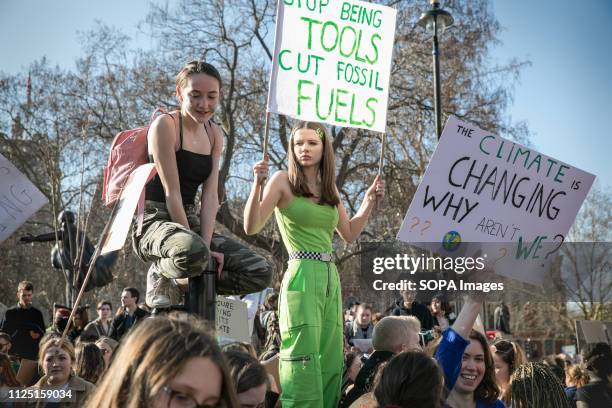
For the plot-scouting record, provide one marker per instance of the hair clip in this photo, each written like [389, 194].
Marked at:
[320, 133]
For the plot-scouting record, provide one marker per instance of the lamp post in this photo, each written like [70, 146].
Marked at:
[436, 19]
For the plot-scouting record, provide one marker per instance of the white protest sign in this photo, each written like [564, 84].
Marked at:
[332, 62]
[232, 321]
[131, 194]
[363, 345]
[591, 332]
[482, 188]
[19, 198]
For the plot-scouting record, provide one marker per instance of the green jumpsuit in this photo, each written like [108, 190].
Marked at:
[310, 309]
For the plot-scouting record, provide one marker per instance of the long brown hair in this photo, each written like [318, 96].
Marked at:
[246, 371]
[513, 355]
[409, 379]
[153, 353]
[7, 375]
[89, 363]
[487, 391]
[327, 166]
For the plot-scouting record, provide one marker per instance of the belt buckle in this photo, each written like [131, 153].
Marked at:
[326, 257]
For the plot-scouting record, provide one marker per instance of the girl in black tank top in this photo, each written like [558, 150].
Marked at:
[177, 239]
[181, 172]
[193, 170]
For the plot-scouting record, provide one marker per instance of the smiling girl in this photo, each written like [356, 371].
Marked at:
[186, 147]
[476, 386]
[56, 357]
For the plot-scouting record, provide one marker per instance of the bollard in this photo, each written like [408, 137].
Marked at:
[203, 293]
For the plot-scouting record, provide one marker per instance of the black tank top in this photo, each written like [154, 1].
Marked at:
[193, 170]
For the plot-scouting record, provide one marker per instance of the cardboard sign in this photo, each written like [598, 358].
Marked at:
[131, 194]
[232, 321]
[363, 345]
[483, 188]
[26, 372]
[332, 62]
[592, 331]
[19, 198]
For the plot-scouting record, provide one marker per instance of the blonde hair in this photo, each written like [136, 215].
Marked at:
[153, 353]
[112, 343]
[327, 166]
[578, 376]
[55, 341]
[392, 331]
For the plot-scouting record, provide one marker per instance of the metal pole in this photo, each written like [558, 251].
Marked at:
[265, 149]
[436, 63]
[381, 162]
[92, 265]
[203, 293]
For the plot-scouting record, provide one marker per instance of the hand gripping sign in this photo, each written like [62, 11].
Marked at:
[332, 62]
[482, 188]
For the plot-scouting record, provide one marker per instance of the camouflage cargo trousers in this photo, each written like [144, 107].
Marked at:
[181, 253]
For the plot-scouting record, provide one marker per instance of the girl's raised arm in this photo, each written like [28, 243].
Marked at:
[349, 230]
[257, 213]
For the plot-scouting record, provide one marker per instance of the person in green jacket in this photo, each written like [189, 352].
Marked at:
[308, 209]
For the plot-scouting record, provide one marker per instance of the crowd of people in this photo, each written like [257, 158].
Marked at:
[134, 359]
[302, 353]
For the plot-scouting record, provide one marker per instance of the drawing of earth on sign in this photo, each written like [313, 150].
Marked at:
[451, 240]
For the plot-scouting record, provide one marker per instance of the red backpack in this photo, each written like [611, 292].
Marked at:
[128, 151]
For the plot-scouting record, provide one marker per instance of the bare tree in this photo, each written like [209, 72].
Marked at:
[586, 259]
[115, 87]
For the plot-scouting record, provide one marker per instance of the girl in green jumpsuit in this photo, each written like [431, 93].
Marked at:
[307, 207]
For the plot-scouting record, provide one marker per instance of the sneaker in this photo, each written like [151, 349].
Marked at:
[161, 291]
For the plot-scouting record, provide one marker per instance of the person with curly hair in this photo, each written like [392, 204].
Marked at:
[534, 385]
[575, 377]
[598, 392]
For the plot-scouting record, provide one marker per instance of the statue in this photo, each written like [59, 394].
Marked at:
[501, 317]
[64, 254]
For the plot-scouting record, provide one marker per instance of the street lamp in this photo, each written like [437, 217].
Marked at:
[435, 19]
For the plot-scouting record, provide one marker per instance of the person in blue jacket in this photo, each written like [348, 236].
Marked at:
[467, 363]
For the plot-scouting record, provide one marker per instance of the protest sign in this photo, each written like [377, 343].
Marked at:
[133, 191]
[232, 321]
[26, 372]
[592, 332]
[482, 188]
[364, 345]
[332, 62]
[19, 198]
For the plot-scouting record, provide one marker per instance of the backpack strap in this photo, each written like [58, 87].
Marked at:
[164, 112]
[180, 130]
[211, 140]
